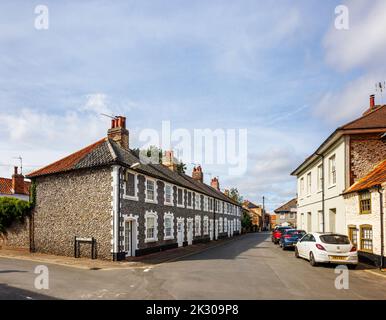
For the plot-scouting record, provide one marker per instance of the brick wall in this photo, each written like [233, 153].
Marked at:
[365, 152]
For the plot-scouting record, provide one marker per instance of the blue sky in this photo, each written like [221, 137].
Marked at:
[277, 68]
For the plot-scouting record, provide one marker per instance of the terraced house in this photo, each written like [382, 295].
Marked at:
[103, 192]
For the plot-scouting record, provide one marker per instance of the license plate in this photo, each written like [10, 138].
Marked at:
[338, 258]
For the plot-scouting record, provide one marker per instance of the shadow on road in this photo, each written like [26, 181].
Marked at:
[11, 271]
[12, 293]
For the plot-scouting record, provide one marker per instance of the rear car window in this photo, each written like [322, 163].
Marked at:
[296, 232]
[335, 239]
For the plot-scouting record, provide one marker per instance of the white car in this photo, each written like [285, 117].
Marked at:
[327, 248]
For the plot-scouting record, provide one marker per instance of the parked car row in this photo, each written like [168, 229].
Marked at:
[317, 247]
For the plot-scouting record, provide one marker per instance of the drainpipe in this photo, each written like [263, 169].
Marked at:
[381, 215]
[214, 219]
[323, 191]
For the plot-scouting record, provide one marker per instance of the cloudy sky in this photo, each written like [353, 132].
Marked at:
[279, 69]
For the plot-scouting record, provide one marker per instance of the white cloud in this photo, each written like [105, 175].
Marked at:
[363, 44]
[97, 102]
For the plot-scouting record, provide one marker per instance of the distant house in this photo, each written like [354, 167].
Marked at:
[16, 187]
[286, 214]
[272, 221]
[365, 214]
[256, 213]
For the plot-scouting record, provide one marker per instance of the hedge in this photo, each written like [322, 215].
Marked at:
[12, 210]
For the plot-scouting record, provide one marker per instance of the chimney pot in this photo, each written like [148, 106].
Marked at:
[197, 174]
[118, 132]
[15, 170]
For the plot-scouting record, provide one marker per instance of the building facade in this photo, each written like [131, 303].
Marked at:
[365, 219]
[105, 193]
[342, 159]
[286, 214]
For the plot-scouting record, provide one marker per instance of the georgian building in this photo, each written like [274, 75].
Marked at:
[103, 192]
[341, 160]
[286, 214]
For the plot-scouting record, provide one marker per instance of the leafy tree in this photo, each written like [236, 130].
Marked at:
[12, 210]
[181, 167]
[246, 221]
[235, 195]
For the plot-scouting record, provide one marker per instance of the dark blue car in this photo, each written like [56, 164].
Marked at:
[289, 238]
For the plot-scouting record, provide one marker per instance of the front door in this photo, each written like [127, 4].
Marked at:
[190, 232]
[180, 233]
[128, 237]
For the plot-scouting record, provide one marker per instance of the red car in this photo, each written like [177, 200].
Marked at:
[277, 232]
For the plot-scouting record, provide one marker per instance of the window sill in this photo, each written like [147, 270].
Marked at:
[151, 201]
[168, 238]
[126, 197]
[364, 213]
[189, 207]
[168, 204]
[150, 240]
[180, 206]
[331, 186]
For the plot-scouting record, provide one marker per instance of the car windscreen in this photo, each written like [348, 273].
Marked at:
[296, 233]
[335, 239]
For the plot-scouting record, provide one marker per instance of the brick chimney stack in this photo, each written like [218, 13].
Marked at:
[17, 182]
[118, 132]
[197, 174]
[372, 101]
[169, 161]
[215, 184]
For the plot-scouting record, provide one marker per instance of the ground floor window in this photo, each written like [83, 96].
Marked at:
[225, 225]
[366, 238]
[220, 225]
[197, 225]
[353, 235]
[206, 225]
[151, 226]
[168, 225]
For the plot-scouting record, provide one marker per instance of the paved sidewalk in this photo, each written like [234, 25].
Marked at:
[132, 262]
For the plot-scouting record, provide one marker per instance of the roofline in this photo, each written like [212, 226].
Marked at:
[333, 138]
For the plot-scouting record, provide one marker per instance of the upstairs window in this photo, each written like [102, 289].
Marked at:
[301, 191]
[332, 170]
[168, 194]
[197, 204]
[320, 177]
[365, 202]
[210, 204]
[309, 183]
[189, 199]
[130, 184]
[150, 190]
[180, 197]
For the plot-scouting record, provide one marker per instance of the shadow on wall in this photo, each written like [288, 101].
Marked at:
[11, 293]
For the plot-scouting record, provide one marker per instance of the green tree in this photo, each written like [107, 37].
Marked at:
[246, 221]
[235, 195]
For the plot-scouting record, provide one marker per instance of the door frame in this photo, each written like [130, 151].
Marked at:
[133, 235]
[182, 222]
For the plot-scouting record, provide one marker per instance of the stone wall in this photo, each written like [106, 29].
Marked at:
[76, 203]
[354, 218]
[17, 236]
[365, 152]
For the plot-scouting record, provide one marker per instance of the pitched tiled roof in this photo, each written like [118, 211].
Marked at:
[92, 155]
[6, 186]
[375, 177]
[106, 151]
[371, 120]
[287, 206]
[375, 119]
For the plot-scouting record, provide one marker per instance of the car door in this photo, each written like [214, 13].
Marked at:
[303, 246]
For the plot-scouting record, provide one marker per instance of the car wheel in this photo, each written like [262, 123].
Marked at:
[283, 247]
[312, 260]
[297, 253]
[352, 266]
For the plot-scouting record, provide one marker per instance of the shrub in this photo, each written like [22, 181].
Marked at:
[12, 210]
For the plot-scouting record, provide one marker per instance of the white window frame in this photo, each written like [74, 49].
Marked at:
[126, 196]
[151, 214]
[309, 183]
[206, 204]
[183, 198]
[197, 196]
[206, 225]
[169, 215]
[155, 190]
[220, 225]
[320, 177]
[197, 231]
[301, 187]
[331, 172]
[191, 198]
[226, 224]
[171, 195]
[210, 204]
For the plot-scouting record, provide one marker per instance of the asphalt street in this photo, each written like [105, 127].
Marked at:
[250, 267]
